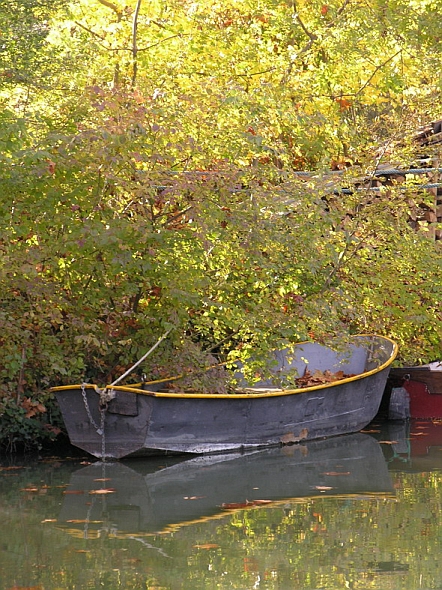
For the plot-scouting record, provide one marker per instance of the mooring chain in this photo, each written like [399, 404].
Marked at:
[99, 429]
[105, 397]
[103, 436]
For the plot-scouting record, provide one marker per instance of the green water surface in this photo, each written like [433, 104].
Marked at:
[306, 522]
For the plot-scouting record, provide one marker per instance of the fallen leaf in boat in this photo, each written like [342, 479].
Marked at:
[336, 473]
[103, 479]
[207, 546]
[103, 491]
[323, 488]
[320, 377]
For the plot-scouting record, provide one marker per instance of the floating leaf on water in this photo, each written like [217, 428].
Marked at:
[206, 546]
[84, 520]
[246, 504]
[234, 505]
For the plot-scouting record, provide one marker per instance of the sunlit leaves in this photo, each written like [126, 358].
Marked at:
[133, 204]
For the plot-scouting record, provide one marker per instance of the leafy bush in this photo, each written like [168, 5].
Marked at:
[28, 424]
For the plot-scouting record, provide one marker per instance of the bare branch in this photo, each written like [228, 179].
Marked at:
[256, 73]
[93, 33]
[338, 13]
[376, 70]
[112, 6]
[174, 217]
[159, 42]
[310, 35]
[134, 42]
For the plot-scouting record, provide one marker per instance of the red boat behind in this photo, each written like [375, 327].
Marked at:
[416, 392]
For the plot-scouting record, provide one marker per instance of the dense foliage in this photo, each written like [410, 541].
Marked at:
[148, 180]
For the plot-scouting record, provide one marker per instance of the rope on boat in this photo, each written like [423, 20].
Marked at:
[142, 358]
[108, 394]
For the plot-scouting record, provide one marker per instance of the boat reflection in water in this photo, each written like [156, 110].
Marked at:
[415, 445]
[150, 496]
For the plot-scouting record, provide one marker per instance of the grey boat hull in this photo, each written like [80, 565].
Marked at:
[140, 422]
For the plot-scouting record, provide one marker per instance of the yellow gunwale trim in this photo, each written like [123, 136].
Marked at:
[263, 394]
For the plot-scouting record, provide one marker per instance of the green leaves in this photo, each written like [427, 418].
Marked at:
[176, 201]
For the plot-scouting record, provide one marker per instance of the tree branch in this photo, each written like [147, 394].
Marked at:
[134, 43]
[375, 71]
[338, 14]
[310, 35]
[159, 42]
[93, 33]
[112, 6]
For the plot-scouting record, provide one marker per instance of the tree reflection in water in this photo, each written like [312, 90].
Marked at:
[162, 524]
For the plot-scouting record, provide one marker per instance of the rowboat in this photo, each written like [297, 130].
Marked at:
[141, 497]
[121, 421]
[416, 392]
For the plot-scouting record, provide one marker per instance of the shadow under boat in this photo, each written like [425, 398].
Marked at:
[148, 497]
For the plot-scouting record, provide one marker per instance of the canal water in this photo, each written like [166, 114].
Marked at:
[361, 511]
